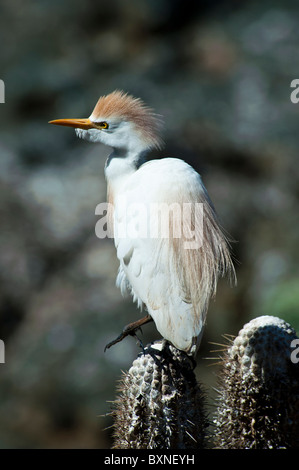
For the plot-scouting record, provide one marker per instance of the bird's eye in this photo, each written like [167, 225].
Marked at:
[103, 125]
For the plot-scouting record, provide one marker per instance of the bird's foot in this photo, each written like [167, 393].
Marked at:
[131, 330]
[126, 332]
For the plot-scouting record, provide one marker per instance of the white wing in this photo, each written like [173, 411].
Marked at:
[173, 278]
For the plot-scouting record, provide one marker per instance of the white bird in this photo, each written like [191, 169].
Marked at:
[173, 280]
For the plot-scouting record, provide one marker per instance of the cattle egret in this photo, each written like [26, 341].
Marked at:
[173, 275]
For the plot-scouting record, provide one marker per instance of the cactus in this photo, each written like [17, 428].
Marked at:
[161, 405]
[258, 405]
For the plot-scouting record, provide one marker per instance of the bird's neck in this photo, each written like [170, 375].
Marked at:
[122, 162]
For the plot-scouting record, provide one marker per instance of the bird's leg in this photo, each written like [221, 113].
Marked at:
[130, 330]
[140, 343]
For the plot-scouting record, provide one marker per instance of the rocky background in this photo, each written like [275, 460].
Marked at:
[220, 73]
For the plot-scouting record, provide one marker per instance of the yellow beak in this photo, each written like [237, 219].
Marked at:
[77, 123]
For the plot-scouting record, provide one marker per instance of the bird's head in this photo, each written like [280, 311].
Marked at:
[119, 121]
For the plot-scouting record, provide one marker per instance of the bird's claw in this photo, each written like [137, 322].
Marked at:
[126, 332]
[116, 340]
[131, 330]
[140, 343]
